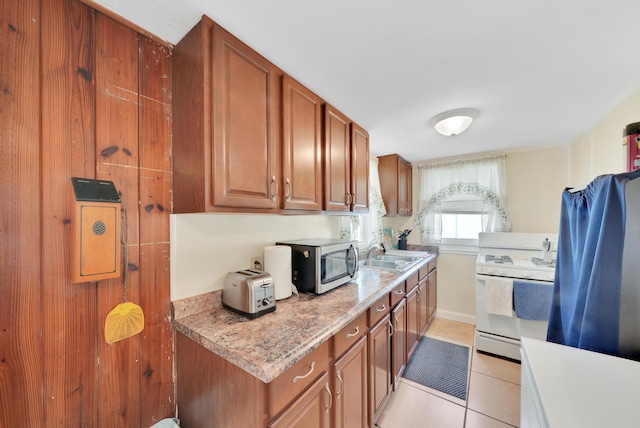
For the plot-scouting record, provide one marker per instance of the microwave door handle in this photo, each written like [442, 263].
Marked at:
[352, 261]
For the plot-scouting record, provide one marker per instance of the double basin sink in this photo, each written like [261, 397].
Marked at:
[391, 262]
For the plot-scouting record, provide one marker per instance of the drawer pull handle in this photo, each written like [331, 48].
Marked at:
[275, 193]
[399, 292]
[354, 334]
[339, 376]
[381, 308]
[390, 328]
[297, 378]
[287, 186]
[326, 388]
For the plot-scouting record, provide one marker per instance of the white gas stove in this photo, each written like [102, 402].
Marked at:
[508, 257]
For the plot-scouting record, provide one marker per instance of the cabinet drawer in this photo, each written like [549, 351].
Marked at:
[378, 310]
[291, 383]
[413, 280]
[426, 268]
[397, 293]
[432, 264]
[423, 271]
[349, 335]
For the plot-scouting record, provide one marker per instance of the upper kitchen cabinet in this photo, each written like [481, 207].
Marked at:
[226, 118]
[301, 147]
[346, 163]
[396, 185]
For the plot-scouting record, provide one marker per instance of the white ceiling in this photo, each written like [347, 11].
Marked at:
[539, 72]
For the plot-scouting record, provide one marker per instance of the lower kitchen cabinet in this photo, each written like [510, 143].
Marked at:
[413, 317]
[432, 286]
[398, 341]
[423, 303]
[350, 388]
[311, 410]
[379, 367]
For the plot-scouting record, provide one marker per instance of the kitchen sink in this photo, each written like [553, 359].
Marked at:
[391, 262]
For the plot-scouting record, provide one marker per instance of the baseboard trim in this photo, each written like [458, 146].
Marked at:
[456, 316]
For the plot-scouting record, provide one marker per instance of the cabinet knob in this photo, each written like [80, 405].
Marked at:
[275, 193]
[339, 376]
[347, 199]
[354, 334]
[297, 378]
[326, 388]
[355, 199]
[287, 190]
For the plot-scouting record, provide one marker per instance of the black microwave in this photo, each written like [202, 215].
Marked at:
[320, 265]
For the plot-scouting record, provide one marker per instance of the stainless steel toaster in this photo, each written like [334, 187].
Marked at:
[249, 292]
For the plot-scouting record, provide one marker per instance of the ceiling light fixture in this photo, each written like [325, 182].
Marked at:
[453, 122]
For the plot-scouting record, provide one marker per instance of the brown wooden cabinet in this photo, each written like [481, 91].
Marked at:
[311, 410]
[423, 303]
[350, 387]
[301, 147]
[413, 317]
[346, 163]
[379, 367]
[226, 123]
[432, 301]
[398, 341]
[396, 185]
[359, 169]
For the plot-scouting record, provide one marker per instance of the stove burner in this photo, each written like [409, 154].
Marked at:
[541, 262]
[490, 258]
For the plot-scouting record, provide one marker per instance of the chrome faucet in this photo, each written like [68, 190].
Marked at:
[373, 249]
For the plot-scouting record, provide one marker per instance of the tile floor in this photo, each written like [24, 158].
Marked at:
[493, 395]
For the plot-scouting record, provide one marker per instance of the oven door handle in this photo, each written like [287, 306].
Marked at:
[481, 277]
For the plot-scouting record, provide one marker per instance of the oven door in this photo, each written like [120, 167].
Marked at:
[508, 326]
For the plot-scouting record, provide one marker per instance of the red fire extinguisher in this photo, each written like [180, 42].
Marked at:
[631, 146]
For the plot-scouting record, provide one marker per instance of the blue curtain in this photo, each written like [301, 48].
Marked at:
[585, 310]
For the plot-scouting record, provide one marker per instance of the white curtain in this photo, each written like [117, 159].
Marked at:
[480, 183]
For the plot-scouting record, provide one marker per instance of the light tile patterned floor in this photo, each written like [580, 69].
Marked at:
[493, 396]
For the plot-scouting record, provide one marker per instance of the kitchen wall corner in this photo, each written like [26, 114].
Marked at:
[204, 247]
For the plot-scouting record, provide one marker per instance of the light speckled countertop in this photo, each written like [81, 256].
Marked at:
[267, 346]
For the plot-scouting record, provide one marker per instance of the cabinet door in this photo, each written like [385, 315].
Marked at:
[423, 305]
[337, 161]
[399, 341]
[245, 125]
[359, 169]
[302, 147]
[311, 410]
[403, 187]
[379, 367]
[413, 331]
[409, 202]
[351, 388]
[433, 294]
[395, 184]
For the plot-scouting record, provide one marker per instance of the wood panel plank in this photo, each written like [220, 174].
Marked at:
[157, 387]
[21, 402]
[69, 310]
[117, 155]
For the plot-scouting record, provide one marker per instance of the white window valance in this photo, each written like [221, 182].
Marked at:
[479, 183]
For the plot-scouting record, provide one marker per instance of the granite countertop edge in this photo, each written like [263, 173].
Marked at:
[242, 341]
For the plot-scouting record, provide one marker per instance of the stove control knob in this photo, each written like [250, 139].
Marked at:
[526, 274]
[501, 272]
[491, 271]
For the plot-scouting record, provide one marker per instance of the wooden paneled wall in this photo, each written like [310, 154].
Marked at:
[81, 95]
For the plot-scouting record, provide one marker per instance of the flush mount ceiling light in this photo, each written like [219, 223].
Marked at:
[453, 122]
